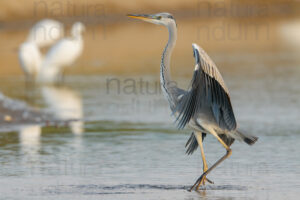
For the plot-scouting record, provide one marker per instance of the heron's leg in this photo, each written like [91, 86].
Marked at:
[228, 153]
[200, 143]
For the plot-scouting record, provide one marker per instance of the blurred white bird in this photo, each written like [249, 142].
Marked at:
[30, 59]
[46, 32]
[42, 34]
[62, 54]
[289, 31]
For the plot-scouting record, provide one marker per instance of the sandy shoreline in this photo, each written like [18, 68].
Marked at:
[15, 114]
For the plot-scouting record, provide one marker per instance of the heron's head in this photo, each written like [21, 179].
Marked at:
[159, 18]
[77, 29]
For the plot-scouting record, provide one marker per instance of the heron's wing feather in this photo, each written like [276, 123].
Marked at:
[192, 143]
[186, 106]
[207, 91]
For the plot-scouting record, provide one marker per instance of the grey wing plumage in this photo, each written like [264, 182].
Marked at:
[207, 89]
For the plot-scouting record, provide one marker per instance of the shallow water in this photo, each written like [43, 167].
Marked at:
[132, 150]
[126, 145]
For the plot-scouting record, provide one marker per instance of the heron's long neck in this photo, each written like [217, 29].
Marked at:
[165, 74]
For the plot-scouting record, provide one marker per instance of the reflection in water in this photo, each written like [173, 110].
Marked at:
[30, 138]
[64, 104]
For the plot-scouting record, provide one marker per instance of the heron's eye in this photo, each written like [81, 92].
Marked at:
[158, 17]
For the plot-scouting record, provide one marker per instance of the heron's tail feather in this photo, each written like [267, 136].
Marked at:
[192, 143]
[249, 139]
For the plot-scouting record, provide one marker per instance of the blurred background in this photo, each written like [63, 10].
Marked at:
[247, 26]
[106, 131]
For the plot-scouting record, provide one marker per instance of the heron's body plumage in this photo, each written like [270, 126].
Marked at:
[205, 107]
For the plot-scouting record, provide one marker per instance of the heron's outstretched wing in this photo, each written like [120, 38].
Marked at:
[207, 91]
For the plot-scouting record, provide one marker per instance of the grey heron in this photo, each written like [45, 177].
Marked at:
[205, 107]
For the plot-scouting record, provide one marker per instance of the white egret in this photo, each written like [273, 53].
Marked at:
[62, 54]
[46, 32]
[289, 31]
[30, 59]
[43, 33]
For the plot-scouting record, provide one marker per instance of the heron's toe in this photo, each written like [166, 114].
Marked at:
[208, 180]
[202, 181]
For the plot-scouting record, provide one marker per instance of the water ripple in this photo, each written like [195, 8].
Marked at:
[93, 189]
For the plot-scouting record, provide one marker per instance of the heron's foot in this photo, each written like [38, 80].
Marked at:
[201, 181]
[208, 180]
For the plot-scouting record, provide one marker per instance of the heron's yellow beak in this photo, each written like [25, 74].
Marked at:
[142, 17]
